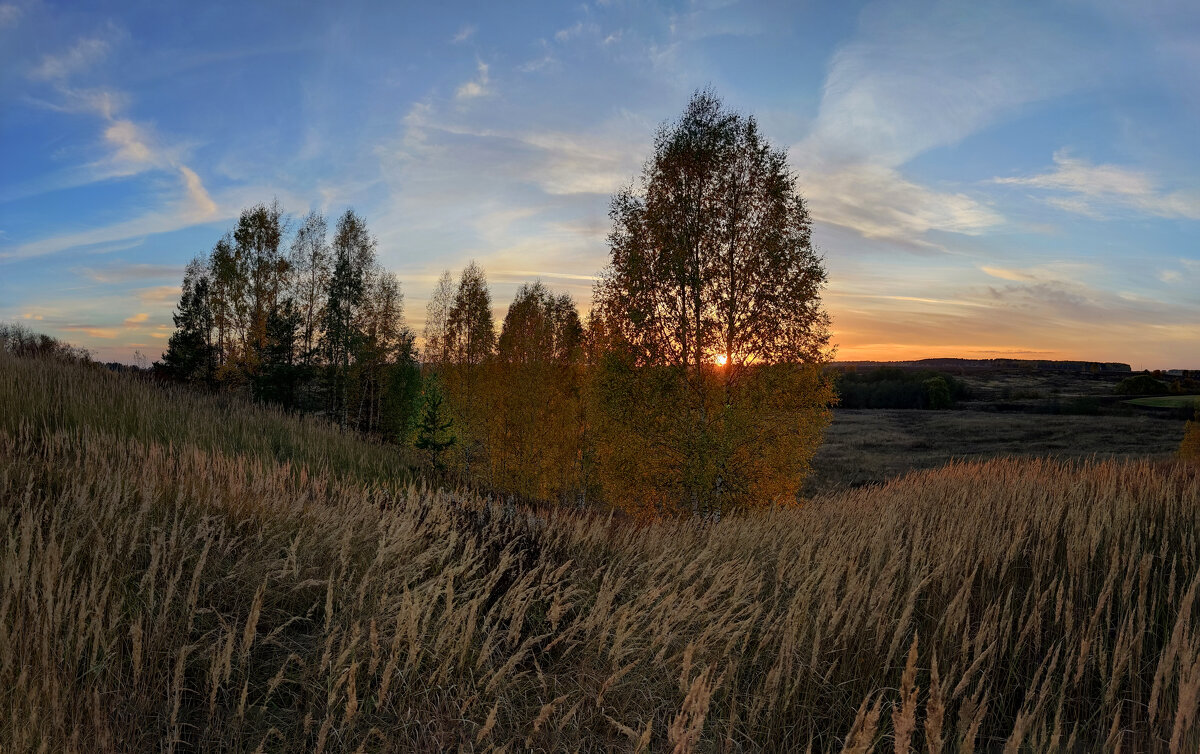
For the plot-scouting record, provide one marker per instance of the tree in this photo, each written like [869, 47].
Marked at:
[312, 267]
[191, 354]
[257, 240]
[437, 321]
[353, 256]
[537, 413]
[713, 395]
[280, 375]
[469, 345]
[383, 341]
[1189, 447]
[470, 329]
[433, 432]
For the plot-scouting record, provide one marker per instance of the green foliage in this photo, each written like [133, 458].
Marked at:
[191, 355]
[321, 330]
[937, 393]
[280, 376]
[1142, 384]
[892, 387]
[434, 430]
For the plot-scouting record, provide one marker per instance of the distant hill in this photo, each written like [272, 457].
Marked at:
[1031, 364]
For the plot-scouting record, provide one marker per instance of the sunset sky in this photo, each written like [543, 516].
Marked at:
[986, 179]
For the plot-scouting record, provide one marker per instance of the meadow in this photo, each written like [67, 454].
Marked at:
[183, 573]
[1168, 401]
[873, 446]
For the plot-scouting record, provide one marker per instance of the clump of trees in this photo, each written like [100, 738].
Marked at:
[315, 327]
[1142, 384]
[697, 385]
[19, 341]
[892, 387]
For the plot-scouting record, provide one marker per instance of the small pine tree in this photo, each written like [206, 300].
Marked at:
[433, 432]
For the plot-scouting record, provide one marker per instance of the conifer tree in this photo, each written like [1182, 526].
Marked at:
[280, 373]
[433, 432]
[190, 354]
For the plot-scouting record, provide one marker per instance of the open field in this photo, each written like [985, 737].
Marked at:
[873, 446]
[1168, 401]
[200, 595]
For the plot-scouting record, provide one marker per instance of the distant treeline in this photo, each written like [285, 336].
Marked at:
[1157, 383]
[892, 387]
[1034, 364]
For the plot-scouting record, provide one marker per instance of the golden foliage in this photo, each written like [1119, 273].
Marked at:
[1189, 448]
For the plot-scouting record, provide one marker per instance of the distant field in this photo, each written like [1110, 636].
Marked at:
[1169, 401]
[871, 446]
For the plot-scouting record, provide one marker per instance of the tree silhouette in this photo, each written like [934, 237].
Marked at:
[191, 354]
[712, 299]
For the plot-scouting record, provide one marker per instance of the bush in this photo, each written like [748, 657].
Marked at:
[1142, 384]
[19, 341]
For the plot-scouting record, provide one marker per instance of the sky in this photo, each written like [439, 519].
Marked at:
[985, 178]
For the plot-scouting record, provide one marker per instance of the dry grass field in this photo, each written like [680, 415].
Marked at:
[164, 587]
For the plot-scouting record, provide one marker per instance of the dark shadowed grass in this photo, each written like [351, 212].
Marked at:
[55, 395]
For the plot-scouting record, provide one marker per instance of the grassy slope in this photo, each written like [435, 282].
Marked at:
[1170, 401]
[166, 585]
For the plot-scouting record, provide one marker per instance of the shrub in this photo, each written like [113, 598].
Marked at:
[1189, 448]
[1142, 384]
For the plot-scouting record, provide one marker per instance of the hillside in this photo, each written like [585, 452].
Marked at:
[186, 573]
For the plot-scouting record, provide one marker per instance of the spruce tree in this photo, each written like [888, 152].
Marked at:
[190, 354]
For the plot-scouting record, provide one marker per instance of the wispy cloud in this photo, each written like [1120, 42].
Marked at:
[1008, 274]
[86, 52]
[125, 273]
[1100, 191]
[182, 215]
[202, 204]
[133, 148]
[9, 15]
[915, 80]
[878, 202]
[476, 87]
[92, 331]
[463, 34]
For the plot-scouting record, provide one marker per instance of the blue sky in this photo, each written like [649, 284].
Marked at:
[986, 179]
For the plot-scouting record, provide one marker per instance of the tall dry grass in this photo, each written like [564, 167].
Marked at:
[186, 597]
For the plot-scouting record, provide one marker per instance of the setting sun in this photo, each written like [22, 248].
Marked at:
[722, 360]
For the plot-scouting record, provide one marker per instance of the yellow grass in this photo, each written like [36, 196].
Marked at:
[199, 594]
